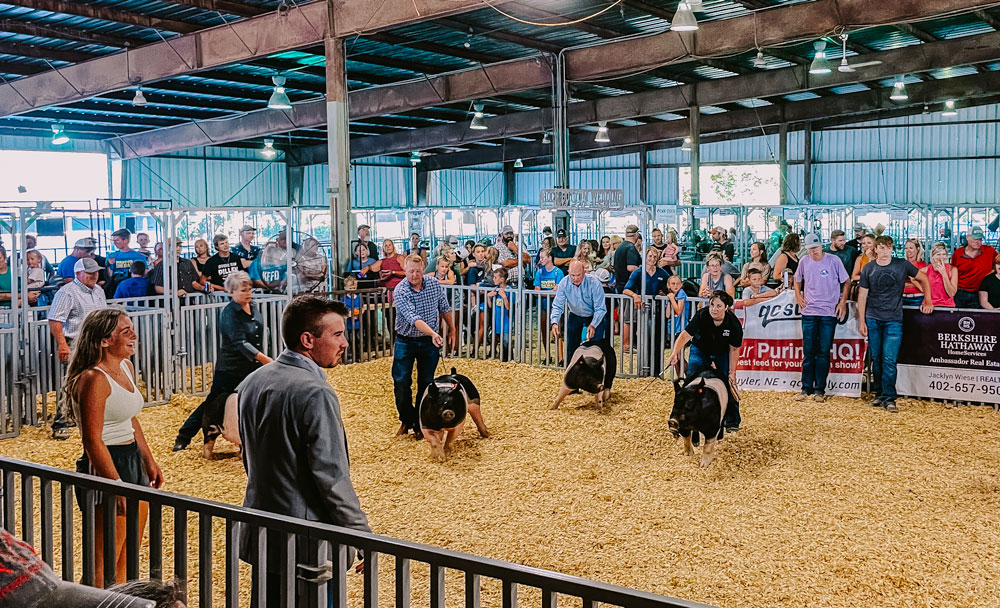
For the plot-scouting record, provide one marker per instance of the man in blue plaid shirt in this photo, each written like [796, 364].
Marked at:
[420, 303]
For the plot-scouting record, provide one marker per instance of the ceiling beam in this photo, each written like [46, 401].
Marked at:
[59, 32]
[19, 49]
[223, 6]
[716, 38]
[854, 104]
[650, 9]
[105, 13]
[769, 83]
[501, 35]
[303, 26]
[988, 19]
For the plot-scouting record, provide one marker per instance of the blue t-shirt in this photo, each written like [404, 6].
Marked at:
[353, 304]
[655, 283]
[66, 267]
[132, 287]
[546, 279]
[676, 324]
[501, 314]
[120, 263]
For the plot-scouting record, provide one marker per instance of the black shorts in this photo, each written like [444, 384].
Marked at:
[128, 463]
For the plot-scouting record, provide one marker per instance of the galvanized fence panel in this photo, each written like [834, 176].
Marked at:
[10, 394]
[315, 557]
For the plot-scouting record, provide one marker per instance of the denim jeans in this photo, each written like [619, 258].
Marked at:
[409, 350]
[575, 326]
[699, 361]
[884, 339]
[817, 340]
[967, 299]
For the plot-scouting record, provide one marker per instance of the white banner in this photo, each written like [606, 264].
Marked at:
[771, 356]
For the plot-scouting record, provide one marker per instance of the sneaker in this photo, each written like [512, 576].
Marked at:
[61, 433]
[802, 396]
[819, 397]
[877, 402]
[890, 406]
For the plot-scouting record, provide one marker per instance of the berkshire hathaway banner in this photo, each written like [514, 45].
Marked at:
[950, 354]
[771, 356]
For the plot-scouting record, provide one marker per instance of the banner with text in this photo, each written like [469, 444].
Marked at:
[771, 356]
[950, 354]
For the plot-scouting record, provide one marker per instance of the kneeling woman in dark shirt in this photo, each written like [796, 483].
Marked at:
[239, 354]
[715, 335]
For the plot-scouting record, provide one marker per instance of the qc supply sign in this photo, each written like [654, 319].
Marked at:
[950, 354]
[771, 355]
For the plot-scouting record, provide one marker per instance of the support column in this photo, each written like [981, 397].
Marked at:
[807, 154]
[643, 177]
[294, 178]
[560, 126]
[338, 143]
[783, 162]
[508, 183]
[420, 199]
[694, 122]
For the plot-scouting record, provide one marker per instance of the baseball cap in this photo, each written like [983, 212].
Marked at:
[813, 241]
[717, 229]
[364, 226]
[247, 227]
[631, 229]
[29, 582]
[547, 230]
[560, 233]
[506, 229]
[451, 239]
[602, 275]
[86, 243]
[122, 233]
[86, 265]
[976, 233]
[858, 227]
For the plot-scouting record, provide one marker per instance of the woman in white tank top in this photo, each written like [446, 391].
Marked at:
[100, 385]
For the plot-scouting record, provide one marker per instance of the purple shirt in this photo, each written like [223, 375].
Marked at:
[822, 282]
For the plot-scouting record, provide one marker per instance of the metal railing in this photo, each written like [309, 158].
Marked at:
[313, 557]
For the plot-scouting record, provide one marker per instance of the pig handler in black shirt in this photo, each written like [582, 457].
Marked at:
[715, 335]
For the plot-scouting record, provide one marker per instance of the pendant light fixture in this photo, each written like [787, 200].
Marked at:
[602, 136]
[949, 109]
[139, 100]
[518, 164]
[759, 61]
[819, 64]
[279, 99]
[899, 90]
[59, 136]
[686, 145]
[268, 150]
[478, 118]
[414, 158]
[545, 138]
[684, 20]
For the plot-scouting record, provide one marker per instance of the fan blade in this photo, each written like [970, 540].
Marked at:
[847, 69]
[865, 64]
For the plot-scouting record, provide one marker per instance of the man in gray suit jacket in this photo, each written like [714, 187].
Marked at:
[294, 445]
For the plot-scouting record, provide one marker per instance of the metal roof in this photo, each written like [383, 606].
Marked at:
[34, 39]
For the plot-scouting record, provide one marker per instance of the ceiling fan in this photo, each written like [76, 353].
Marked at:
[848, 68]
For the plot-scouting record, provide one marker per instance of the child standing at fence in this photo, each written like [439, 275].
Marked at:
[677, 312]
[501, 297]
[353, 323]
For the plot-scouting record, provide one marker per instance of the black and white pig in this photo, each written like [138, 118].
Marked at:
[699, 407]
[592, 369]
[443, 408]
[221, 418]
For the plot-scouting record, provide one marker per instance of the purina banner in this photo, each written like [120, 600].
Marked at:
[771, 357]
[950, 354]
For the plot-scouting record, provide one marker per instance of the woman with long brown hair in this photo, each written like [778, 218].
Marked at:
[104, 402]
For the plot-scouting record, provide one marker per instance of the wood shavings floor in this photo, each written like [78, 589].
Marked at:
[812, 504]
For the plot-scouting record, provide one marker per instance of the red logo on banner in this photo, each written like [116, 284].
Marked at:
[785, 355]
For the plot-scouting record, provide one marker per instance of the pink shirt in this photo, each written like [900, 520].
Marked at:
[939, 296]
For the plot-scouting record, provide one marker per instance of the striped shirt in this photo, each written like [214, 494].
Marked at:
[427, 305]
[72, 303]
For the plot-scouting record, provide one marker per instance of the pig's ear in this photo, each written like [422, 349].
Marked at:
[677, 385]
[454, 371]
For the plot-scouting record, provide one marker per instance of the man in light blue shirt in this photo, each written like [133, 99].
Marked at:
[581, 297]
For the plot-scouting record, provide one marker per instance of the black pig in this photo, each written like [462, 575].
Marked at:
[443, 408]
[699, 407]
[592, 369]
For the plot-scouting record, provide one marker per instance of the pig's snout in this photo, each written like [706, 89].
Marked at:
[674, 426]
[448, 415]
